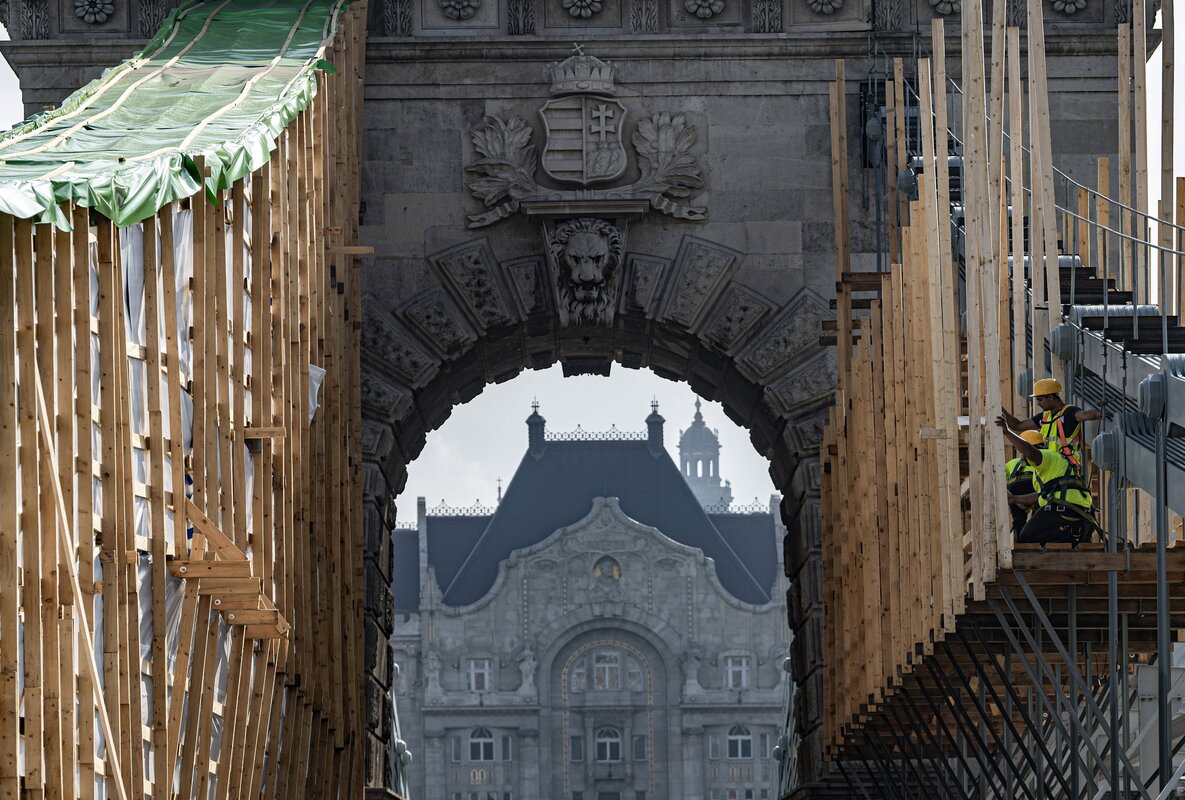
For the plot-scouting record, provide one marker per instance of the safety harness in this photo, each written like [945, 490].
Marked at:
[1055, 491]
[1053, 430]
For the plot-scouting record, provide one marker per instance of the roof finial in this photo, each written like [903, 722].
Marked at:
[499, 490]
[698, 416]
[654, 404]
[535, 405]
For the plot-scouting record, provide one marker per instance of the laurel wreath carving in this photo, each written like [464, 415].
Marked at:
[664, 145]
[506, 168]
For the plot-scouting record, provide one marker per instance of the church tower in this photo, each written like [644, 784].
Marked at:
[699, 461]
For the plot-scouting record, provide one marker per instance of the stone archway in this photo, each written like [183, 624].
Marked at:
[684, 314]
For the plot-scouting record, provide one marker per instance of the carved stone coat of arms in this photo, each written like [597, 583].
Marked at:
[583, 139]
[585, 128]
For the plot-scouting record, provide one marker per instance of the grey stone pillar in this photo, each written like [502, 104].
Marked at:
[530, 771]
[693, 764]
[435, 766]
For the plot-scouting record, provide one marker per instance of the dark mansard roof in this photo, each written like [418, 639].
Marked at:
[553, 487]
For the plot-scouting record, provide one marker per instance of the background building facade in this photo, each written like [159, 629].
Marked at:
[601, 659]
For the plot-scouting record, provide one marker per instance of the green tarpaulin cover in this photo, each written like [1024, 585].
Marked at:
[221, 80]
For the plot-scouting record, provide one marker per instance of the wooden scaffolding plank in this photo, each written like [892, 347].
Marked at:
[10, 545]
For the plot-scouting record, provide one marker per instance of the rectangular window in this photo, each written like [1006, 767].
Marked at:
[717, 794]
[455, 748]
[480, 674]
[456, 796]
[731, 794]
[765, 794]
[507, 796]
[640, 795]
[607, 670]
[764, 751]
[577, 795]
[639, 748]
[507, 753]
[749, 794]
[576, 748]
[713, 746]
[736, 672]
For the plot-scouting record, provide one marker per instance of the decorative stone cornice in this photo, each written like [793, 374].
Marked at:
[1062, 39]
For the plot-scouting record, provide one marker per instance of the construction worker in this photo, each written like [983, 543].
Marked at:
[1065, 511]
[1059, 423]
[1020, 482]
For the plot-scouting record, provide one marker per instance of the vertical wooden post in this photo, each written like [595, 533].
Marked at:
[1016, 165]
[10, 543]
[1124, 281]
[1140, 201]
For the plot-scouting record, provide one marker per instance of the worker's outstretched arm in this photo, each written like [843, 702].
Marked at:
[1088, 414]
[1018, 424]
[1027, 451]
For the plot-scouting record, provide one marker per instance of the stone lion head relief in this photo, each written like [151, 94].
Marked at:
[585, 256]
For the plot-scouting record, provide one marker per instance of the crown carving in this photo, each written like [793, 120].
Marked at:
[582, 74]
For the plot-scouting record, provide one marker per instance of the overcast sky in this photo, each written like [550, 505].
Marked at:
[485, 439]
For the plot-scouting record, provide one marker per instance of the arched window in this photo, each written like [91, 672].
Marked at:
[481, 745]
[740, 742]
[607, 669]
[608, 745]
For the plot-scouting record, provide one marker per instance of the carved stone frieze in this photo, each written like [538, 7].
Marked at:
[767, 16]
[644, 16]
[34, 19]
[887, 15]
[527, 279]
[729, 323]
[806, 385]
[697, 275]
[1017, 13]
[802, 436]
[520, 17]
[794, 330]
[383, 400]
[643, 276]
[585, 257]
[438, 322]
[397, 17]
[472, 275]
[151, 15]
[386, 342]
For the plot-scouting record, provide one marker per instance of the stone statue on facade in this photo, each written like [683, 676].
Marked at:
[527, 664]
[433, 691]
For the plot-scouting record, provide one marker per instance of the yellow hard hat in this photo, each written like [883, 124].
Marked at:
[1046, 386]
[1033, 437]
